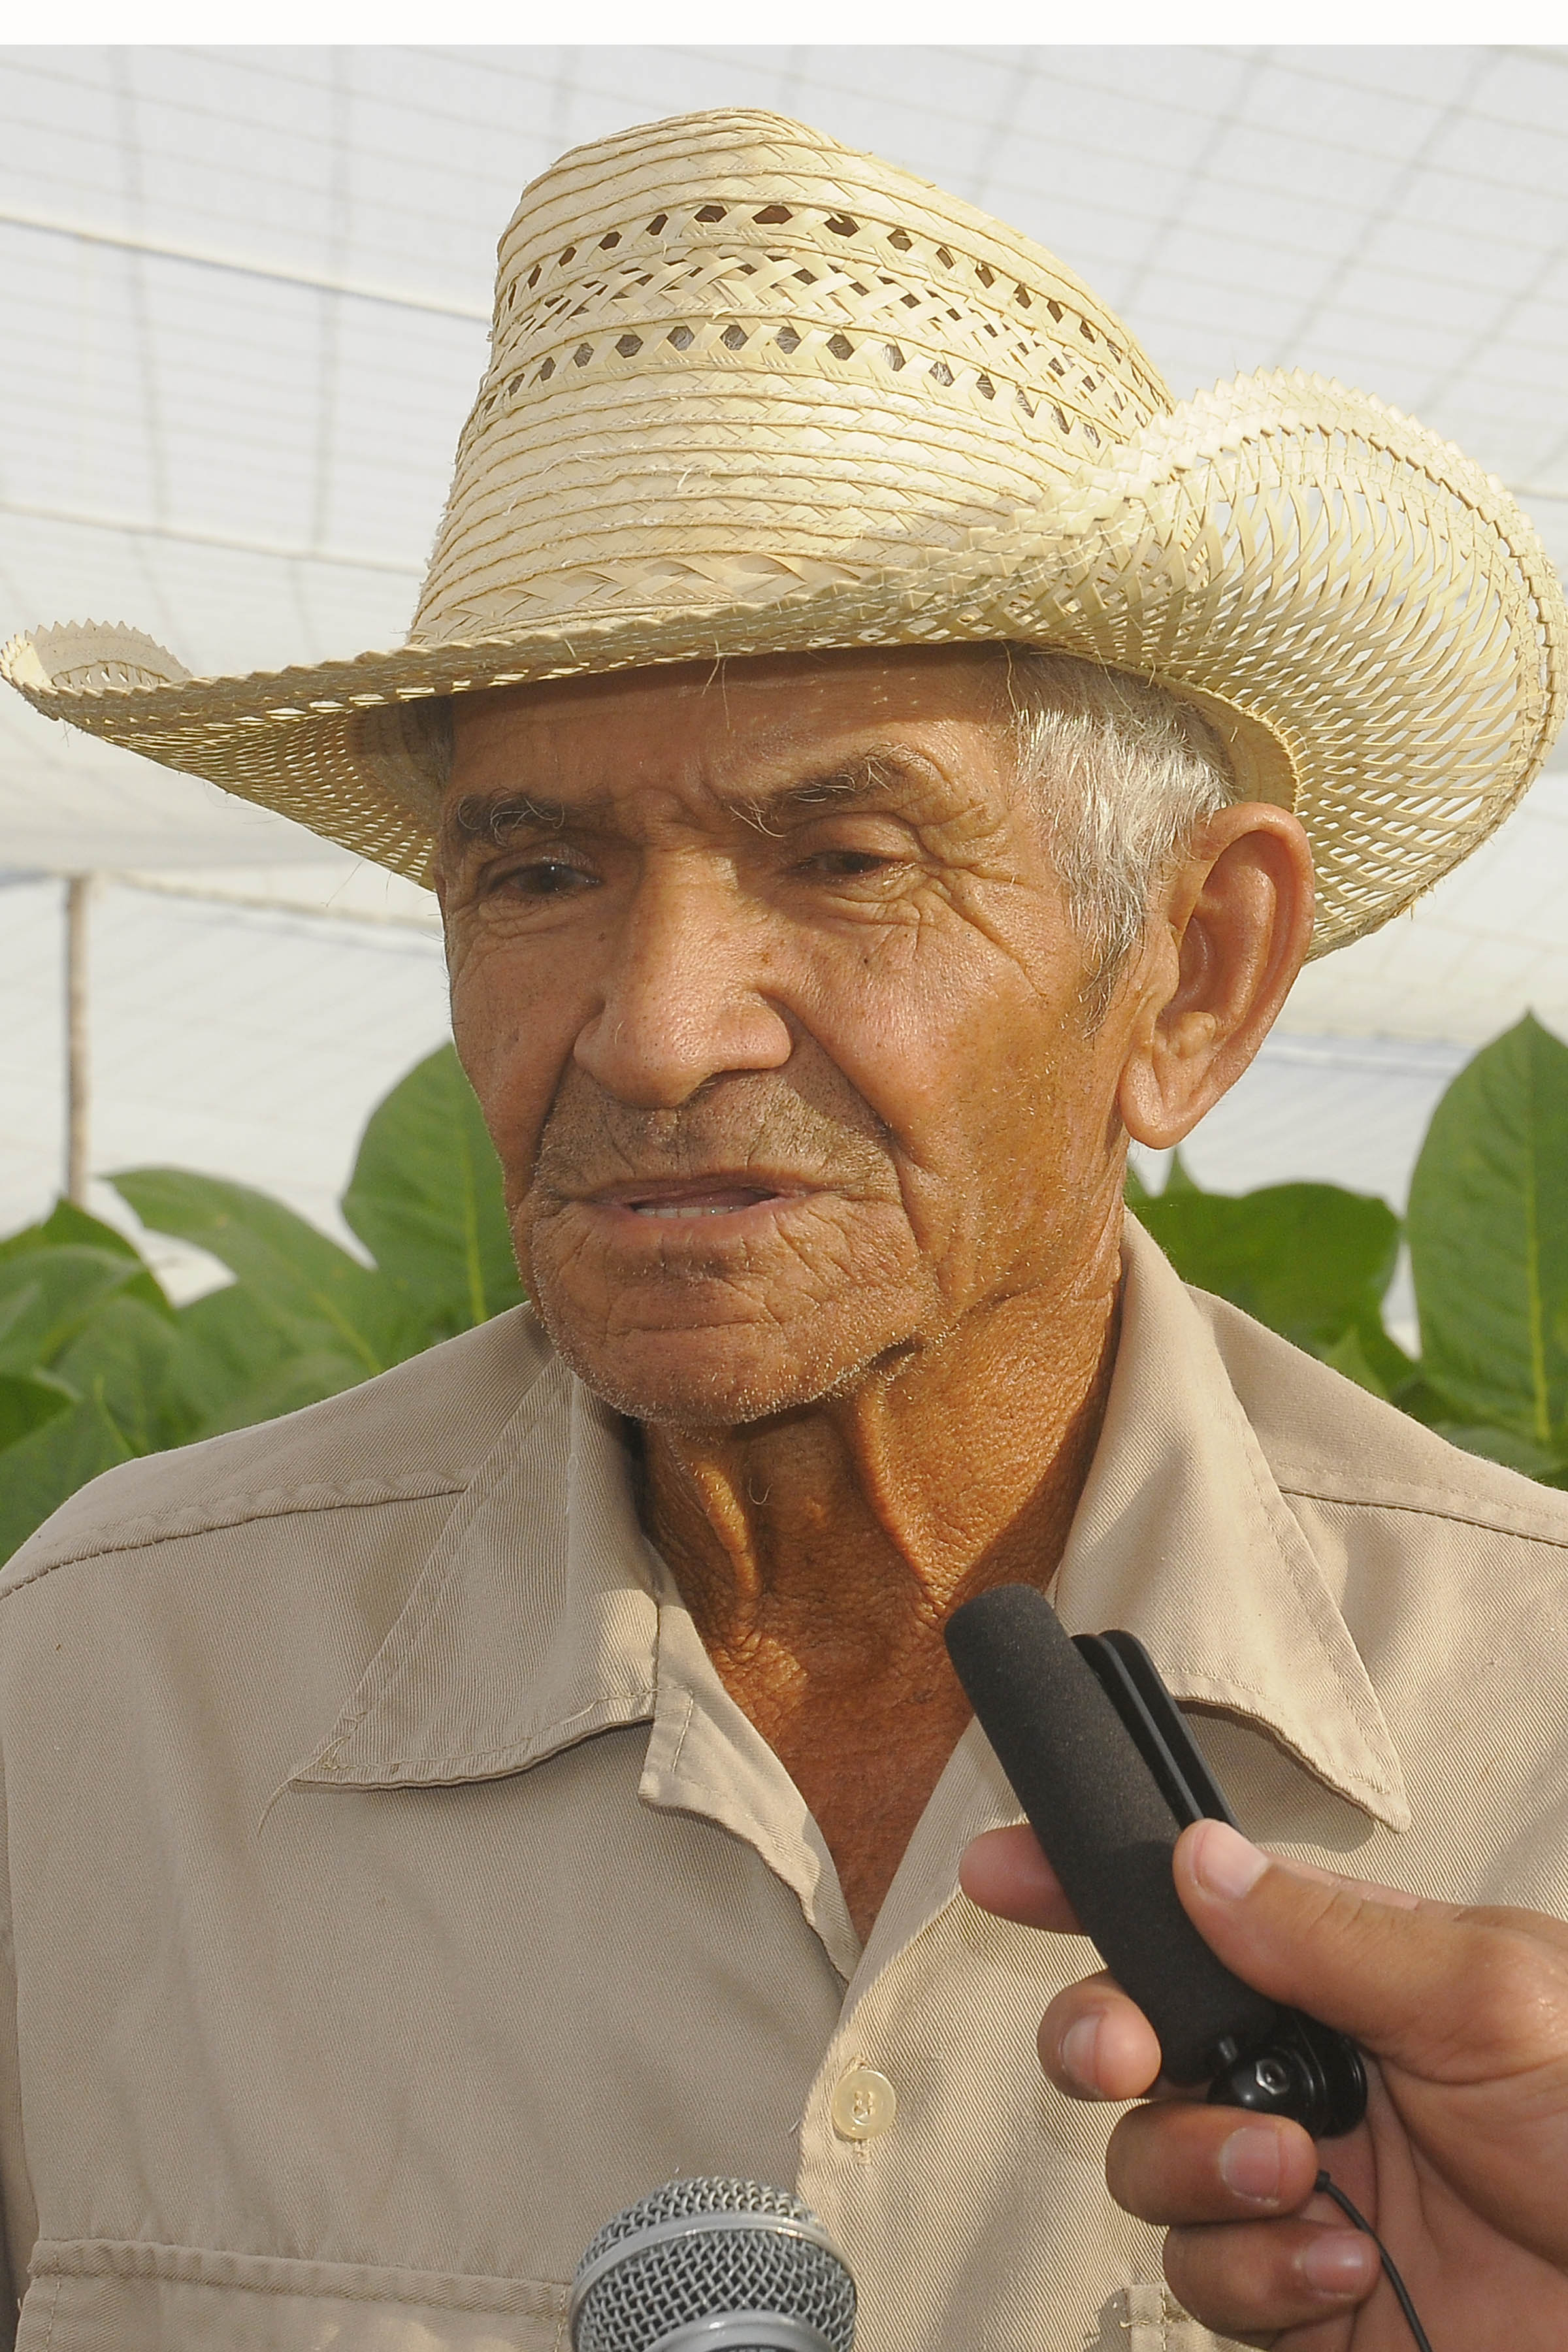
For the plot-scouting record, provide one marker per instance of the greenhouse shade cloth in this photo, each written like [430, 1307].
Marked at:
[751, 391]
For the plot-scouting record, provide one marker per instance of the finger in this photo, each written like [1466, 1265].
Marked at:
[1005, 1871]
[1250, 2278]
[1399, 1897]
[1096, 2044]
[1181, 2163]
[1451, 1994]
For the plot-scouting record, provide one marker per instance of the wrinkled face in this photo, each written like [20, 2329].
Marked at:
[770, 994]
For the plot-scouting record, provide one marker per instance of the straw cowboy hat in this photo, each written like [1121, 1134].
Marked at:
[751, 391]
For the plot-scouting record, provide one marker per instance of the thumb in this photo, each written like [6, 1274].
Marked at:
[1449, 1994]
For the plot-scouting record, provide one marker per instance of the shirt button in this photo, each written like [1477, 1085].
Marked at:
[864, 2104]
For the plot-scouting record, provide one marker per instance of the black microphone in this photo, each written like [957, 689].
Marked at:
[1108, 1789]
[713, 2266]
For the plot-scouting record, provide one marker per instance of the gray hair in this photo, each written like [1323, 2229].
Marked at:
[1126, 775]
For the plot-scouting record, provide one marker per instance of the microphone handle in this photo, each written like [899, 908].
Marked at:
[1106, 1829]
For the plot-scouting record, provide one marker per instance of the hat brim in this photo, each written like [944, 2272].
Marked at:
[1366, 618]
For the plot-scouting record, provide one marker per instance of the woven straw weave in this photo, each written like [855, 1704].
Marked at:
[751, 391]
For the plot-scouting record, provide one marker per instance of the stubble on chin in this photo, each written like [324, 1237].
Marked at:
[688, 1347]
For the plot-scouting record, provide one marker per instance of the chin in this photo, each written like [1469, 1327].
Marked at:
[707, 1378]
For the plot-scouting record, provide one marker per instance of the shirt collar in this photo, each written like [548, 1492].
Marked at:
[1183, 1536]
[535, 1620]
[532, 1624]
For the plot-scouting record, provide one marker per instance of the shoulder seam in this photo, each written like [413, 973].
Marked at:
[268, 1503]
[1430, 1507]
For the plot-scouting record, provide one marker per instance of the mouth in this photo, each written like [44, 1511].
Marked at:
[688, 1199]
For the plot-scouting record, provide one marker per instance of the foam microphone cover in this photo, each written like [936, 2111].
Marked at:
[1106, 1828]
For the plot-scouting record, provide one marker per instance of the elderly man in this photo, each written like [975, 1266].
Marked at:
[872, 748]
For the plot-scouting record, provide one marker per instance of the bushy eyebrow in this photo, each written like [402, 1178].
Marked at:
[864, 780]
[493, 819]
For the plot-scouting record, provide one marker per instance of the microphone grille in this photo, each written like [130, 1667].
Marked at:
[696, 2250]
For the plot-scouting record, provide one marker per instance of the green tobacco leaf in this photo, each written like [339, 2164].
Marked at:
[315, 1293]
[426, 1200]
[1488, 1223]
[233, 1366]
[299, 1379]
[1364, 1353]
[225, 1346]
[1509, 1446]
[66, 1224]
[1310, 1260]
[124, 1359]
[28, 1403]
[41, 1470]
[47, 1295]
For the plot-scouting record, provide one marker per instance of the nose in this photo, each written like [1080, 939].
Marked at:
[684, 993]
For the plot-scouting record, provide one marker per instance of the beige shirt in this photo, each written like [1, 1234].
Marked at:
[397, 1893]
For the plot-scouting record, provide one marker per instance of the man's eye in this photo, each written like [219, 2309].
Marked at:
[840, 865]
[546, 877]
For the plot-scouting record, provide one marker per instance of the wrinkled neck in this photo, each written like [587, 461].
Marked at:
[865, 1519]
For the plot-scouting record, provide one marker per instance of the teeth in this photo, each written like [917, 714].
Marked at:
[683, 1209]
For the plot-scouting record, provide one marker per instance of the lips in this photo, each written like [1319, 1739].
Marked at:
[685, 1201]
[704, 1204]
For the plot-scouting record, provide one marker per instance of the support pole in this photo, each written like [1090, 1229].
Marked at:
[78, 894]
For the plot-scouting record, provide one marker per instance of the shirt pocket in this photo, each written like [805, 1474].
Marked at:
[103, 2295]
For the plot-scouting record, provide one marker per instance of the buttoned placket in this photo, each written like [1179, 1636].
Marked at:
[705, 1756]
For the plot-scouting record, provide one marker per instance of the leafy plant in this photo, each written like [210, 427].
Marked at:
[97, 1365]
[1310, 1260]
[1488, 1227]
[426, 1200]
[1486, 1230]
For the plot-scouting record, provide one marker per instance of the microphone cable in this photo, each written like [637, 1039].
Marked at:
[1326, 2188]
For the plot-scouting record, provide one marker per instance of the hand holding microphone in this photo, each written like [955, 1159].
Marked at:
[1461, 2164]
[1264, 1980]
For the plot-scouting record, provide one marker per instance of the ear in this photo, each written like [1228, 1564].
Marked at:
[1229, 932]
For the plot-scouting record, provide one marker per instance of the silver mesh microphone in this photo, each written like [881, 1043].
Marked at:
[713, 2266]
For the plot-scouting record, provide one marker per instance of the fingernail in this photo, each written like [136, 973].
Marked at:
[1339, 2262]
[1251, 2165]
[1078, 2053]
[1224, 1862]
